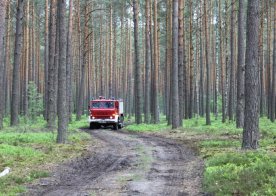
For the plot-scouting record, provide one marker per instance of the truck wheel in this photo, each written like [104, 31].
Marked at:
[91, 126]
[116, 126]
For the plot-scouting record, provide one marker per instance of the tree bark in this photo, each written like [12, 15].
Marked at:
[2, 73]
[240, 74]
[268, 61]
[155, 113]
[168, 61]
[261, 63]
[84, 64]
[251, 123]
[232, 65]
[191, 63]
[16, 64]
[51, 102]
[148, 64]
[110, 90]
[222, 66]
[273, 90]
[46, 58]
[69, 61]
[175, 95]
[7, 67]
[208, 119]
[181, 60]
[62, 103]
[137, 79]
[114, 58]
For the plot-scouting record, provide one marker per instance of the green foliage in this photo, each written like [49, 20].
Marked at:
[241, 173]
[78, 124]
[148, 127]
[199, 125]
[162, 126]
[220, 143]
[26, 148]
[15, 139]
[16, 182]
[35, 102]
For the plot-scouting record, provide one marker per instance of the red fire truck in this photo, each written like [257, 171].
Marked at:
[106, 112]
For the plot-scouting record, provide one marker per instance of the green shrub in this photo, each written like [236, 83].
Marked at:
[248, 173]
[220, 143]
[35, 101]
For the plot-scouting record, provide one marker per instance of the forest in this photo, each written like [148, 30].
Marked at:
[202, 72]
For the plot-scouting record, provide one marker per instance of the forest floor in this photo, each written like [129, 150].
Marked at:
[123, 163]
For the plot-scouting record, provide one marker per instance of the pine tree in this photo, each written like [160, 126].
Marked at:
[251, 112]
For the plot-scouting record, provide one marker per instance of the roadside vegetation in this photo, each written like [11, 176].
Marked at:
[228, 169]
[31, 151]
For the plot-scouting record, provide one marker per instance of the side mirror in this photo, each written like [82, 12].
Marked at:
[88, 107]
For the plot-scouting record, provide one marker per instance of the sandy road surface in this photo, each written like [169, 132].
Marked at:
[126, 164]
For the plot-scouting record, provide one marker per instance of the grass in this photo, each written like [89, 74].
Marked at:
[148, 127]
[228, 169]
[29, 150]
[162, 126]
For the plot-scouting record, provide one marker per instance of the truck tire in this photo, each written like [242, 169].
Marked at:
[115, 126]
[91, 126]
[120, 125]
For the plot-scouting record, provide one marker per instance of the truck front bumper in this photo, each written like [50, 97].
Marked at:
[102, 121]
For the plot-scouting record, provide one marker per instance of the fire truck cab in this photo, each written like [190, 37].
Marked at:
[106, 112]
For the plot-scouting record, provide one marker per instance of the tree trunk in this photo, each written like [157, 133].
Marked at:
[201, 73]
[240, 74]
[155, 113]
[208, 119]
[33, 56]
[7, 67]
[168, 61]
[51, 102]
[175, 95]
[114, 58]
[16, 64]
[273, 95]
[232, 65]
[2, 73]
[181, 60]
[84, 64]
[148, 64]
[46, 58]
[69, 61]
[110, 90]
[221, 64]
[26, 66]
[226, 66]
[62, 103]
[261, 63]
[268, 62]
[191, 74]
[137, 79]
[251, 121]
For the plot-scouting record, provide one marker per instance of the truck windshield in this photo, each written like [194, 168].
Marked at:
[103, 104]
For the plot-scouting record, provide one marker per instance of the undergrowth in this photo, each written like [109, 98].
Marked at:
[28, 148]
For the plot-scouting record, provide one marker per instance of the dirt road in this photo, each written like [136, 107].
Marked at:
[126, 164]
